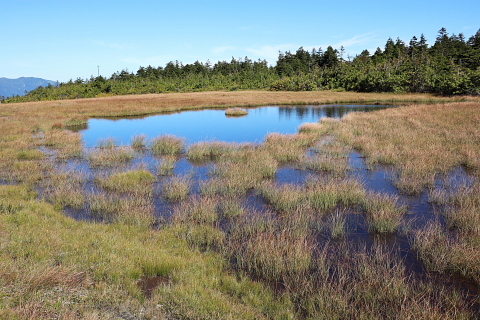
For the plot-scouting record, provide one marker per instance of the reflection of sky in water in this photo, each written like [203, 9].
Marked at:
[204, 125]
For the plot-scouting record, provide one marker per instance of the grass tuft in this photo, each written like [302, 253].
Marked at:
[176, 188]
[139, 142]
[384, 213]
[110, 157]
[167, 145]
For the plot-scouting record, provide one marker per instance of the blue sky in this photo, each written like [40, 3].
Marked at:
[63, 39]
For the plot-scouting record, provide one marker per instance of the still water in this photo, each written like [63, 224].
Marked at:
[208, 125]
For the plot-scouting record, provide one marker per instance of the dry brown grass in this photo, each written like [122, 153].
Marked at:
[420, 140]
[62, 111]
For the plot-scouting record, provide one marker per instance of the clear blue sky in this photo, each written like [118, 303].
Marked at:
[63, 39]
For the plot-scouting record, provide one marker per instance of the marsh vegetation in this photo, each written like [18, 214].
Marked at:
[293, 227]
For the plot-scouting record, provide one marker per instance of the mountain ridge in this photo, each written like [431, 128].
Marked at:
[13, 87]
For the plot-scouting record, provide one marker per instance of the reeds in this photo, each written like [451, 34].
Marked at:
[167, 145]
[110, 156]
[67, 144]
[384, 213]
[338, 224]
[176, 188]
[239, 172]
[65, 189]
[328, 155]
[420, 141]
[166, 165]
[319, 194]
[210, 150]
[285, 148]
[463, 210]
[139, 142]
[132, 182]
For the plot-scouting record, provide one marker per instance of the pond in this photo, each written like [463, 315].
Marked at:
[212, 124]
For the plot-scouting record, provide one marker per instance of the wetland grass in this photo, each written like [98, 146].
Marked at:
[444, 253]
[96, 271]
[130, 182]
[110, 156]
[129, 209]
[230, 207]
[287, 147]
[103, 205]
[27, 171]
[107, 143]
[210, 150]
[420, 141]
[139, 142]
[66, 144]
[384, 213]
[166, 165]
[65, 189]
[318, 194]
[327, 155]
[176, 188]
[322, 127]
[195, 221]
[197, 210]
[167, 145]
[56, 267]
[13, 197]
[463, 210]
[240, 171]
[338, 223]
[275, 256]
[285, 198]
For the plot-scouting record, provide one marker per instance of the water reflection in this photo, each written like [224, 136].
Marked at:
[306, 113]
[211, 124]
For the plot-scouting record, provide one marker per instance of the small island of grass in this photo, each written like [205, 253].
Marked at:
[236, 112]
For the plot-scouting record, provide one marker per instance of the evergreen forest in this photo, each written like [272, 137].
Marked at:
[450, 66]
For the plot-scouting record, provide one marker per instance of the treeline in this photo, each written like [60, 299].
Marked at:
[450, 66]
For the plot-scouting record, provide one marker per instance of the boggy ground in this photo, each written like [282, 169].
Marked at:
[217, 257]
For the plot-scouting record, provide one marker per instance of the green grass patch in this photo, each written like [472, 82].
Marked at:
[135, 181]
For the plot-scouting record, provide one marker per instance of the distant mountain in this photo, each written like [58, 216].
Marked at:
[12, 87]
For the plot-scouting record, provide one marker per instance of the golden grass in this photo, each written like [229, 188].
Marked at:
[64, 110]
[384, 214]
[420, 140]
[288, 147]
[236, 112]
